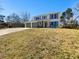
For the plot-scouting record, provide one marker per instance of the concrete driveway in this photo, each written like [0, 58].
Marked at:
[10, 30]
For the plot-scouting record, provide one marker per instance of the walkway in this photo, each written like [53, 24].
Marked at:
[10, 30]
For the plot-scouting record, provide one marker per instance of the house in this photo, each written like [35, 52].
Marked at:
[50, 20]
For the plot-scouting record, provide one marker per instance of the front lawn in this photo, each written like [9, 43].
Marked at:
[40, 44]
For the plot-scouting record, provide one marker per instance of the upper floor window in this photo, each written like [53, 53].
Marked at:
[53, 16]
[44, 17]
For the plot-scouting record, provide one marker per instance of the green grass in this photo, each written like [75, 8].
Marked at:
[40, 44]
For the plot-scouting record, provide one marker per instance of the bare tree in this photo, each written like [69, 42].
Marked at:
[13, 18]
[25, 17]
[76, 9]
[1, 16]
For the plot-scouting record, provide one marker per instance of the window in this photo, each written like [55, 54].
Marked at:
[55, 16]
[44, 17]
[54, 24]
[51, 16]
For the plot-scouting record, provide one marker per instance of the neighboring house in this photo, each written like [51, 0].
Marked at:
[50, 20]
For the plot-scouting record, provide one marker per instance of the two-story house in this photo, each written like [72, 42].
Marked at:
[50, 20]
